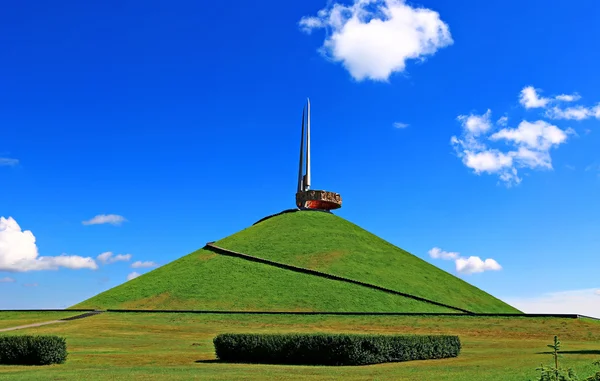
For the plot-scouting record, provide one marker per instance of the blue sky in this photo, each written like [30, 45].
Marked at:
[177, 124]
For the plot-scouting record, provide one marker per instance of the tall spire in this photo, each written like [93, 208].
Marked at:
[300, 170]
[307, 179]
[306, 198]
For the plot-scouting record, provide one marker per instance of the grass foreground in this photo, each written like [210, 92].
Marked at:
[143, 346]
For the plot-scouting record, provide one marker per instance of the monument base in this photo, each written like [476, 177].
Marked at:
[318, 199]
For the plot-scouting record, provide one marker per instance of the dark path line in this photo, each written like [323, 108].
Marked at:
[82, 316]
[219, 250]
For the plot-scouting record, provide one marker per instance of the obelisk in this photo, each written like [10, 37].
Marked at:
[305, 197]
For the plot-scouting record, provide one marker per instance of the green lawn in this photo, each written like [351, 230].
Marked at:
[207, 281]
[14, 319]
[331, 244]
[115, 346]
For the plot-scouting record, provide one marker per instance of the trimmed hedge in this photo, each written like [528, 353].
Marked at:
[327, 349]
[32, 350]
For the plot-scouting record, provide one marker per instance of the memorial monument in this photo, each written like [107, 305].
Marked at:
[307, 198]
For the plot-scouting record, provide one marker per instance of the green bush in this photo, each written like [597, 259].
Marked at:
[326, 349]
[32, 350]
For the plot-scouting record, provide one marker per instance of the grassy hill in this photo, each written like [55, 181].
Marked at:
[204, 280]
[319, 241]
[328, 243]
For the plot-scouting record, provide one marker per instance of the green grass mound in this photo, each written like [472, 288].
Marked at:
[328, 243]
[32, 350]
[329, 349]
[204, 280]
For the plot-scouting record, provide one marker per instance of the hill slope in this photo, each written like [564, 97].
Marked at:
[324, 242]
[328, 243]
[204, 280]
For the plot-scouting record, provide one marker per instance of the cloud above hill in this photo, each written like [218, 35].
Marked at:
[582, 302]
[470, 265]
[374, 38]
[141, 265]
[498, 149]
[108, 258]
[112, 219]
[133, 275]
[19, 252]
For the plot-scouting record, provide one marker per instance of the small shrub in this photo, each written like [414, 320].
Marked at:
[556, 373]
[32, 350]
[325, 349]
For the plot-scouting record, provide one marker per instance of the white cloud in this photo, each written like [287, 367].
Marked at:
[19, 253]
[108, 258]
[582, 302]
[6, 161]
[375, 38]
[529, 98]
[141, 265]
[7, 280]
[133, 275]
[539, 135]
[569, 113]
[568, 97]
[400, 125]
[503, 121]
[527, 146]
[473, 265]
[476, 124]
[464, 265]
[113, 219]
[438, 253]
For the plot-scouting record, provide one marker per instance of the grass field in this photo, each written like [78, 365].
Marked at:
[14, 319]
[207, 281]
[129, 346]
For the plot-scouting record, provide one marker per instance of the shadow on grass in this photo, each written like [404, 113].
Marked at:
[581, 352]
[212, 361]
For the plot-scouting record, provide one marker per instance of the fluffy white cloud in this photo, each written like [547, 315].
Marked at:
[527, 146]
[529, 98]
[141, 265]
[476, 124]
[18, 252]
[133, 275]
[375, 38]
[6, 161]
[7, 280]
[582, 302]
[438, 253]
[473, 265]
[568, 97]
[113, 219]
[464, 265]
[400, 125]
[539, 135]
[108, 258]
[569, 113]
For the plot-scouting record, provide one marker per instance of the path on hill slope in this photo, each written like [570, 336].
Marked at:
[65, 320]
[219, 250]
